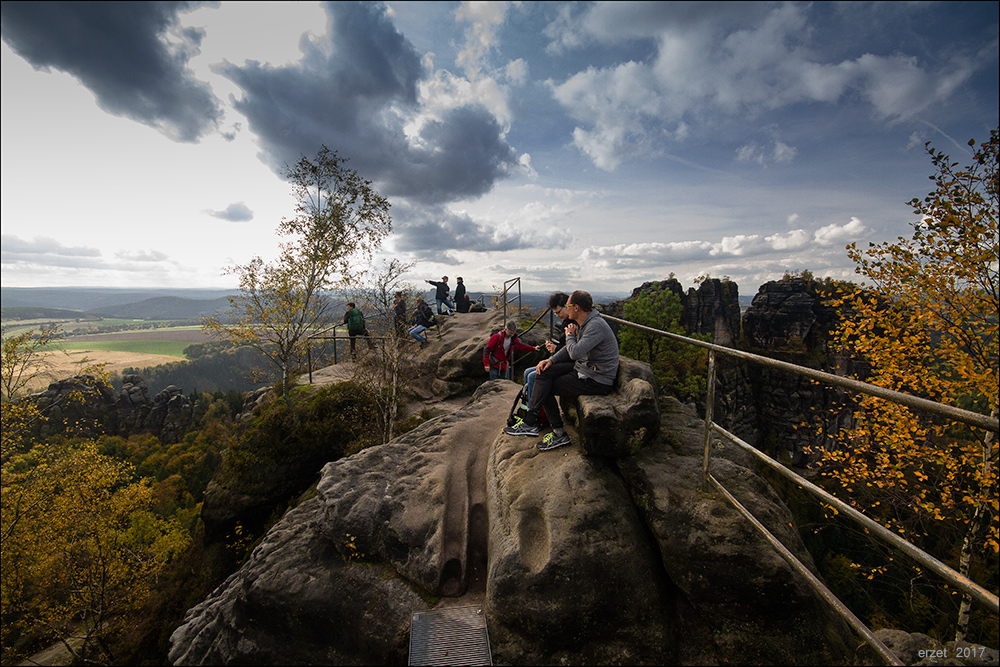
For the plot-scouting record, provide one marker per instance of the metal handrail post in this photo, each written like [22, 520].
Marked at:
[709, 412]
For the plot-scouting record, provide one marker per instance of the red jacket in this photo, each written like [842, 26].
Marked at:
[493, 355]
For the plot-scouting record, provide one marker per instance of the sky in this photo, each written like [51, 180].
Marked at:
[573, 145]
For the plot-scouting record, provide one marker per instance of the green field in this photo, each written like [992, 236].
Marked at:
[171, 348]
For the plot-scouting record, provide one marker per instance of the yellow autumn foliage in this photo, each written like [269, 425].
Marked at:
[926, 323]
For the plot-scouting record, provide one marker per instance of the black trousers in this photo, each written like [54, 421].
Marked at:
[560, 380]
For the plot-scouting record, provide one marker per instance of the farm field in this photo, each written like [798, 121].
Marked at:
[118, 351]
[69, 363]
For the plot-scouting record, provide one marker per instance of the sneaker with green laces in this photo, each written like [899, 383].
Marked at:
[553, 441]
[521, 428]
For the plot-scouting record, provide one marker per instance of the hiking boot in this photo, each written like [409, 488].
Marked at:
[522, 428]
[553, 441]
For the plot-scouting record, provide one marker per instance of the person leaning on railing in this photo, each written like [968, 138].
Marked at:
[587, 366]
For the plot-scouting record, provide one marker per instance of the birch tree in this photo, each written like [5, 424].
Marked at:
[339, 221]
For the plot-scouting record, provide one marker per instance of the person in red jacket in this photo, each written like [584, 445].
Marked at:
[498, 357]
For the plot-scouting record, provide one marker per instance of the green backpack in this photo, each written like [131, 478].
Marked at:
[355, 321]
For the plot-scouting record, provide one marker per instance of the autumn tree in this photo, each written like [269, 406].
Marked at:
[680, 368]
[339, 219]
[79, 543]
[925, 321]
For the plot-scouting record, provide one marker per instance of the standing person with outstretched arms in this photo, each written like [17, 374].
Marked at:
[441, 296]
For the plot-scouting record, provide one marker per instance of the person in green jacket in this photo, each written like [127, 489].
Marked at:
[355, 321]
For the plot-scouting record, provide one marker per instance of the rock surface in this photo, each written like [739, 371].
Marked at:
[575, 559]
[620, 423]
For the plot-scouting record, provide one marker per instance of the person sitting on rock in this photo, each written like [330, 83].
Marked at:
[557, 304]
[423, 319]
[587, 366]
[498, 355]
[462, 300]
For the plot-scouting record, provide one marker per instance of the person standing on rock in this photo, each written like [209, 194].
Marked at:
[399, 314]
[498, 356]
[441, 296]
[587, 366]
[355, 321]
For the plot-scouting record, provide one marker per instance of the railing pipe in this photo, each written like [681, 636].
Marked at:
[965, 416]
[824, 592]
[709, 412]
[886, 535]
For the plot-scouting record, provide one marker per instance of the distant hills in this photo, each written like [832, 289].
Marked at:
[31, 303]
[23, 303]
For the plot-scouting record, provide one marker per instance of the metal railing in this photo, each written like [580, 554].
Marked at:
[989, 423]
[323, 335]
[507, 286]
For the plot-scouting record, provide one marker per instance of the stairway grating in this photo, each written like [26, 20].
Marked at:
[450, 636]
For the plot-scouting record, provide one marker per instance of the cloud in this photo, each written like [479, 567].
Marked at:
[236, 212]
[428, 231]
[43, 245]
[648, 255]
[711, 62]
[832, 234]
[776, 151]
[132, 56]
[356, 91]
[143, 256]
[43, 254]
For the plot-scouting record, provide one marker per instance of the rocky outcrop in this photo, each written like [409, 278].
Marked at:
[620, 423]
[791, 320]
[713, 308]
[90, 403]
[576, 559]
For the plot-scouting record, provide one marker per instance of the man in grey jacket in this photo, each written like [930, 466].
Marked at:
[587, 365]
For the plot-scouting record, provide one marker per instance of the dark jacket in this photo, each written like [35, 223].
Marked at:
[423, 316]
[442, 290]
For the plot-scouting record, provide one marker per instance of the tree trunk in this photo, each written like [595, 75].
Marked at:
[969, 542]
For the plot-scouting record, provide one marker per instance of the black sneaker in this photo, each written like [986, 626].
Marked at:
[522, 428]
[553, 441]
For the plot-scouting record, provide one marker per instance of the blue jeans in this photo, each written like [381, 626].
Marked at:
[529, 382]
[446, 302]
[496, 373]
[415, 332]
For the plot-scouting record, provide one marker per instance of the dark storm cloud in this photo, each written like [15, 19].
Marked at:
[118, 51]
[354, 94]
[237, 212]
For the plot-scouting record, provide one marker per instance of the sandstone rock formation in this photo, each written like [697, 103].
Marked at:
[574, 558]
[86, 399]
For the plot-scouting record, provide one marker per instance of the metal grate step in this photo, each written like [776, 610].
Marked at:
[450, 636]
